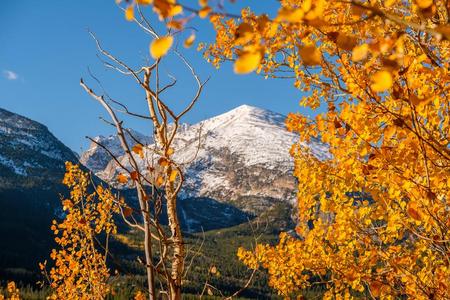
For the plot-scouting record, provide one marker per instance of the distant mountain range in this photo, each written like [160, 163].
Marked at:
[237, 166]
[240, 157]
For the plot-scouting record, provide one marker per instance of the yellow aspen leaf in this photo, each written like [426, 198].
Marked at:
[375, 288]
[272, 29]
[144, 2]
[159, 47]
[67, 204]
[166, 8]
[213, 270]
[413, 210]
[175, 10]
[444, 30]
[129, 13]
[290, 15]
[314, 12]
[389, 132]
[163, 162]
[381, 81]
[170, 151]
[140, 296]
[389, 3]
[424, 4]
[345, 41]
[138, 149]
[418, 101]
[356, 10]
[203, 3]
[321, 124]
[262, 22]
[189, 41]
[204, 12]
[173, 175]
[174, 24]
[243, 33]
[121, 178]
[247, 62]
[159, 181]
[360, 52]
[310, 55]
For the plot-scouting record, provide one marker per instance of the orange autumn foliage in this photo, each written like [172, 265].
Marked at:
[11, 292]
[374, 216]
[80, 270]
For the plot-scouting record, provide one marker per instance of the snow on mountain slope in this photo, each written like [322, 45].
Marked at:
[27, 149]
[241, 156]
[96, 158]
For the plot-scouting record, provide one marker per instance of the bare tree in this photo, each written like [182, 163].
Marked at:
[159, 179]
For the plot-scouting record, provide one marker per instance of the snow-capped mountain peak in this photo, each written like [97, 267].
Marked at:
[241, 153]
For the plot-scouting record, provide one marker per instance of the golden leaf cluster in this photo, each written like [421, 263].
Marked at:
[11, 292]
[80, 270]
[374, 214]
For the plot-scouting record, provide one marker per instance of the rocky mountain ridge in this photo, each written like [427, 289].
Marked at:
[240, 157]
[29, 150]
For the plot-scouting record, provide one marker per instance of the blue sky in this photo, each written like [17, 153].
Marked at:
[45, 49]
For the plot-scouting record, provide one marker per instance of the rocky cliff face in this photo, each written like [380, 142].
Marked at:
[240, 157]
[29, 154]
[97, 158]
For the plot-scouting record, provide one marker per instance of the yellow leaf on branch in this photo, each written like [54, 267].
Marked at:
[360, 52]
[173, 175]
[189, 41]
[163, 162]
[243, 33]
[204, 12]
[167, 8]
[381, 81]
[247, 62]
[424, 4]
[129, 13]
[346, 42]
[291, 15]
[121, 178]
[144, 2]
[159, 181]
[160, 47]
[138, 149]
[173, 24]
[310, 55]
[413, 210]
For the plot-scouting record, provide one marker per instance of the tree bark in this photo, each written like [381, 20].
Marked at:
[149, 256]
[177, 264]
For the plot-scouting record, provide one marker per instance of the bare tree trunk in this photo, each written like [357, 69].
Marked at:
[178, 246]
[166, 180]
[148, 254]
